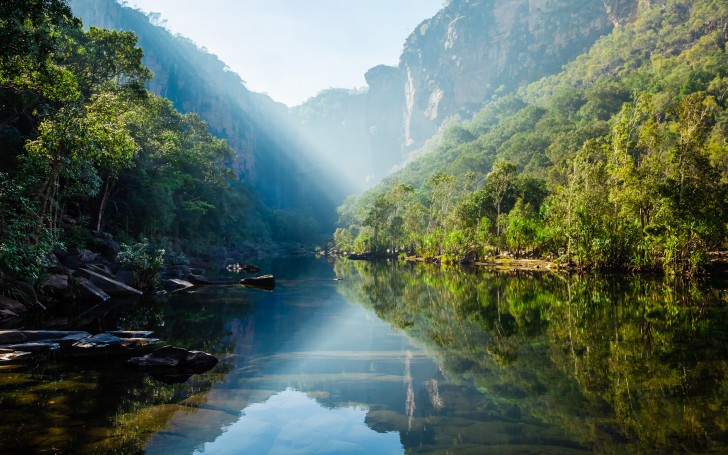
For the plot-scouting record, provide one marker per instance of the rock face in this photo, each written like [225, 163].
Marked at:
[469, 51]
[472, 49]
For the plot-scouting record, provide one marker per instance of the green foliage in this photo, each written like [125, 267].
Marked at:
[146, 260]
[86, 146]
[641, 356]
[24, 243]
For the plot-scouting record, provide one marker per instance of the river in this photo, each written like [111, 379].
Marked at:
[382, 358]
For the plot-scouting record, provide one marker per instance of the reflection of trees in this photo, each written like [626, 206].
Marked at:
[638, 364]
[92, 403]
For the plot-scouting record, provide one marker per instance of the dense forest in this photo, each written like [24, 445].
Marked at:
[620, 161]
[86, 147]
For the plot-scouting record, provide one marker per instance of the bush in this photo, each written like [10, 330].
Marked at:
[146, 260]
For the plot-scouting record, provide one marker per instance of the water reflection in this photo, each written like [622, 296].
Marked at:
[396, 358]
[616, 365]
[291, 422]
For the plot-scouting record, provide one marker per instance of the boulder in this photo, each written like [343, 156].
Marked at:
[108, 285]
[76, 258]
[170, 357]
[55, 266]
[104, 244]
[23, 292]
[263, 282]
[56, 288]
[11, 308]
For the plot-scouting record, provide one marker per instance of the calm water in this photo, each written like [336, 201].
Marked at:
[396, 359]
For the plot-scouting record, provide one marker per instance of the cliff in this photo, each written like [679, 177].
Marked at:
[268, 156]
[474, 49]
[470, 51]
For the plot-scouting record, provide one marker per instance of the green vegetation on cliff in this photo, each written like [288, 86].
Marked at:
[619, 161]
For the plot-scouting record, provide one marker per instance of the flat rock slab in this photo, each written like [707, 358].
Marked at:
[12, 355]
[38, 346]
[49, 340]
[22, 336]
[177, 284]
[108, 285]
[131, 333]
[88, 291]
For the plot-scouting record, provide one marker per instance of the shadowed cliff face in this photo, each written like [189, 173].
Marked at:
[269, 156]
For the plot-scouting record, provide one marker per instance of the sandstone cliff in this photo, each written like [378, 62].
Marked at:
[473, 49]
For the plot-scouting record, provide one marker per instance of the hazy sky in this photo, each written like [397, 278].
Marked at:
[292, 49]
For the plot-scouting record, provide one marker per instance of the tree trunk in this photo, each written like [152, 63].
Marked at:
[104, 201]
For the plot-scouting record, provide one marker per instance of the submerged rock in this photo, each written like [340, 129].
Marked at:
[170, 357]
[263, 282]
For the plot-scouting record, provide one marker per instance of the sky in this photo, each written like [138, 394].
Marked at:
[293, 49]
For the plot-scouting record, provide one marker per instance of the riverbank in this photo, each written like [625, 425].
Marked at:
[102, 270]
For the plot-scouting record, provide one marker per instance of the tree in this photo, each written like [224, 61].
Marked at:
[499, 182]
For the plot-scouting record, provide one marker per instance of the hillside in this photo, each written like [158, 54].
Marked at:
[619, 161]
